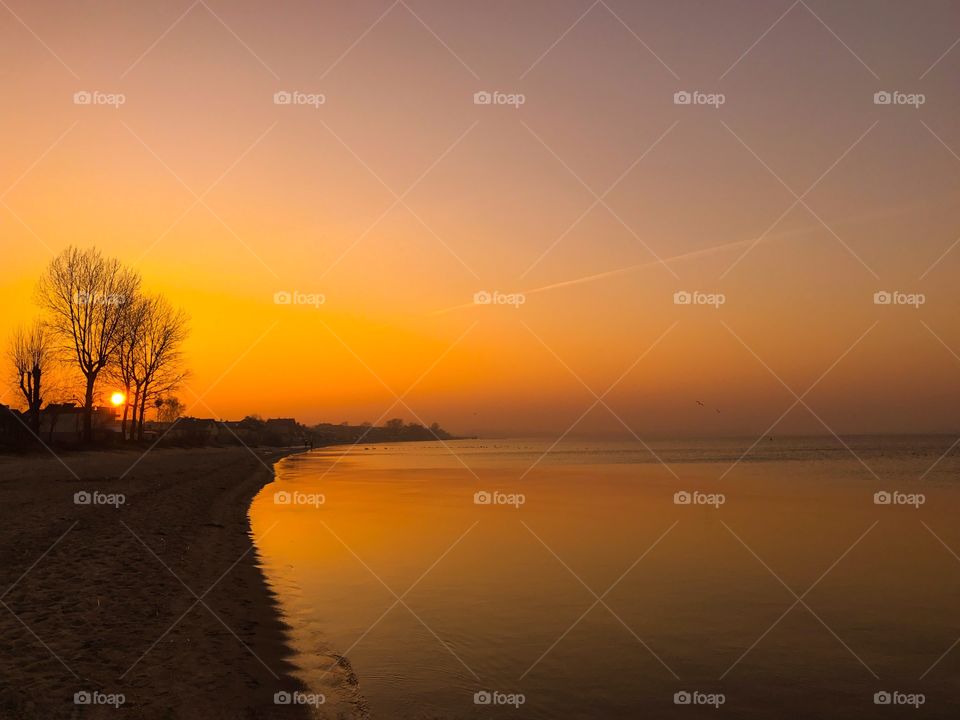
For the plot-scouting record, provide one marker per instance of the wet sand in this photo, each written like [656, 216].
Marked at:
[161, 599]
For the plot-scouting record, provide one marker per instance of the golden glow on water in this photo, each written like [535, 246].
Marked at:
[507, 582]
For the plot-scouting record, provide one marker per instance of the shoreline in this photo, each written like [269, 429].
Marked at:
[153, 591]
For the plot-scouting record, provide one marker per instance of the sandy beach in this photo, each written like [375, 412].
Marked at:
[156, 595]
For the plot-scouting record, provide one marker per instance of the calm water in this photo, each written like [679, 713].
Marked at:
[586, 589]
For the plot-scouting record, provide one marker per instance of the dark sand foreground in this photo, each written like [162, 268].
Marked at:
[95, 598]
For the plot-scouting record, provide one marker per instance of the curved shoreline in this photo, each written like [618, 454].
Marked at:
[160, 598]
[320, 667]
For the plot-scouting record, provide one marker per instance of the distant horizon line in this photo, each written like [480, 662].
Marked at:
[651, 437]
[548, 435]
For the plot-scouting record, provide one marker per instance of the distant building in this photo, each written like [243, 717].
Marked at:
[66, 424]
[190, 430]
[63, 423]
[11, 424]
[283, 425]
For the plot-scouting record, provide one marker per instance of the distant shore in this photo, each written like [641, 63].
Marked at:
[100, 598]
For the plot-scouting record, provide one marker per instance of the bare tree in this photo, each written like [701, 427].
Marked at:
[159, 368]
[30, 352]
[126, 367]
[86, 295]
[170, 410]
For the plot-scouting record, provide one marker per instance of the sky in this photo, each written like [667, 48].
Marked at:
[588, 201]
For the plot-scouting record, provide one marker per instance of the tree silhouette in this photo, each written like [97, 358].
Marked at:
[30, 353]
[86, 295]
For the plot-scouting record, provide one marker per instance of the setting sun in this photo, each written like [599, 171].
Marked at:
[117, 399]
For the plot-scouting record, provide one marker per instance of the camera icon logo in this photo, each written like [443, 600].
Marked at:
[282, 97]
[482, 698]
[282, 698]
[82, 498]
[882, 498]
[283, 297]
[882, 297]
[82, 698]
[82, 98]
[682, 297]
[682, 98]
[682, 698]
[282, 497]
[482, 97]
[682, 497]
[482, 498]
[882, 97]
[482, 298]
[882, 698]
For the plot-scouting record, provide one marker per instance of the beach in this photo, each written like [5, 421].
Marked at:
[391, 582]
[147, 592]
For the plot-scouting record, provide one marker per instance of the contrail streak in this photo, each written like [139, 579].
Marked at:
[705, 252]
[692, 255]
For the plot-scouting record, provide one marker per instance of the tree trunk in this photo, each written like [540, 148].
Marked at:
[133, 420]
[35, 401]
[88, 410]
[143, 410]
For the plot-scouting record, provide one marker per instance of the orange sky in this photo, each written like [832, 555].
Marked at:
[399, 197]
